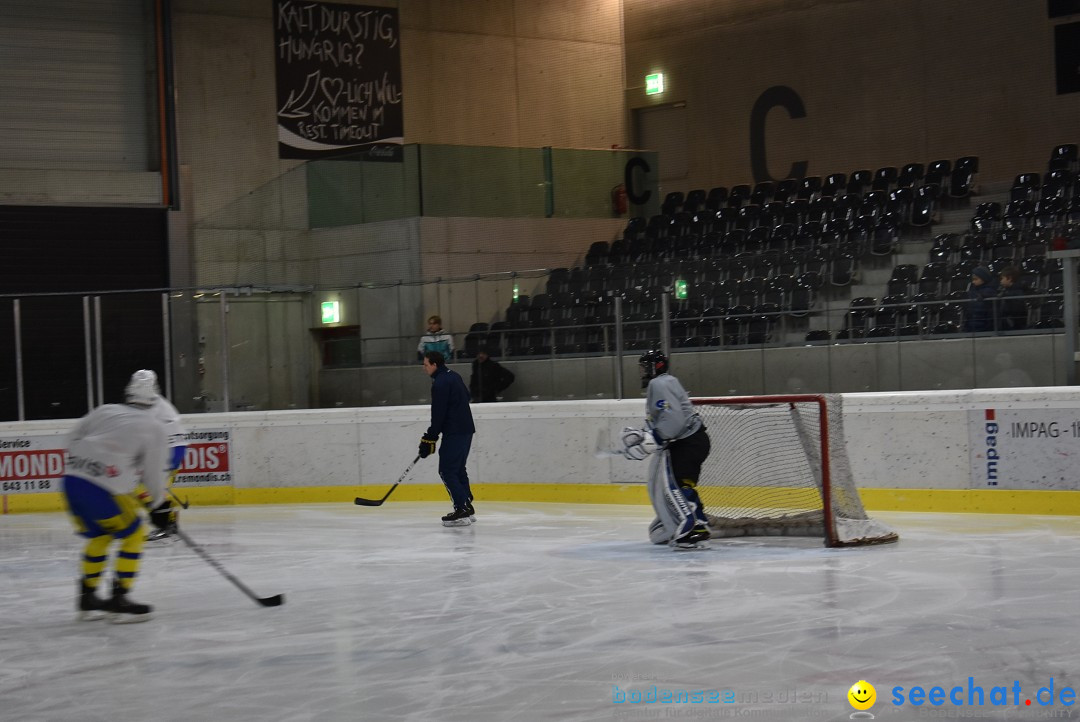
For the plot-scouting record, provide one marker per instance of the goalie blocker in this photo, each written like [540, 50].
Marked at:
[780, 467]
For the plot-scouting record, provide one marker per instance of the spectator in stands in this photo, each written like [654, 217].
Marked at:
[489, 378]
[435, 340]
[979, 315]
[1012, 309]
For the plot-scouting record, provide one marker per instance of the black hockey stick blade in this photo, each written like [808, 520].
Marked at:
[184, 504]
[360, 501]
[373, 502]
[275, 601]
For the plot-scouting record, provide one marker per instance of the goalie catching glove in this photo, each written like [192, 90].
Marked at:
[427, 445]
[638, 443]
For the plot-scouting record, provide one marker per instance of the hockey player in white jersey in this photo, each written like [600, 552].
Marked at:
[675, 437]
[111, 451]
[163, 517]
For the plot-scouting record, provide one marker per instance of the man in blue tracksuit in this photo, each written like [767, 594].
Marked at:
[451, 417]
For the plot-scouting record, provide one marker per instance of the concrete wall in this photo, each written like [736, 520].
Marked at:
[476, 72]
[883, 83]
[270, 358]
[514, 73]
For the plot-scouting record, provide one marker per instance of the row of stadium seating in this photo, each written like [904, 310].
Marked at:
[754, 260]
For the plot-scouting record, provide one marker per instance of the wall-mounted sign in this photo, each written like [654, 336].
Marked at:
[338, 80]
[331, 312]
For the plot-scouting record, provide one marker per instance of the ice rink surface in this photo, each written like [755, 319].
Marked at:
[538, 612]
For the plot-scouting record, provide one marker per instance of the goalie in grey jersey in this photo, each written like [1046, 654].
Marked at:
[674, 437]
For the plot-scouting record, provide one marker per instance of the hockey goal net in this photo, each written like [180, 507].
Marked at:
[779, 466]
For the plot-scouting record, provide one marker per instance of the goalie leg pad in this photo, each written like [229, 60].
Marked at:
[675, 513]
[657, 533]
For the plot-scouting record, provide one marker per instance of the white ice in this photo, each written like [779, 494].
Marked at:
[537, 612]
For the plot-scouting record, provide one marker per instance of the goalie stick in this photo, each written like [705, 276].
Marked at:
[378, 502]
[275, 601]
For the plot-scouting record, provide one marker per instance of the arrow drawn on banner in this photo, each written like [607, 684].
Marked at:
[296, 105]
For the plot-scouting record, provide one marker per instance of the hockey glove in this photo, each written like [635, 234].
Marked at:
[638, 443]
[427, 445]
[164, 517]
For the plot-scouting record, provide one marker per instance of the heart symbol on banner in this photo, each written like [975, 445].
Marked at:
[331, 88]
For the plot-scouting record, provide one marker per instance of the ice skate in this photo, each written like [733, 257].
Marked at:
[471, 511]
[694, 539]
[458, 517]
[163, 520]
[122, 610]
[90, 606]
[159, 537]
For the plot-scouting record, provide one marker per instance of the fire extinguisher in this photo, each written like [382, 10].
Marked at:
[619, 202]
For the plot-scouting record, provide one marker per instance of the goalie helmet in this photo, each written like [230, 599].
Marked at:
[652, 364]
[142, 389]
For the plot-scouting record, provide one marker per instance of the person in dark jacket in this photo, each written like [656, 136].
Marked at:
[980, 312]
[489, 378]
[1012, 309]
[452, 418]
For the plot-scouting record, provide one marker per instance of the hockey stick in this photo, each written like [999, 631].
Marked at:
[183, 504]
[378, 502]
[275, 601]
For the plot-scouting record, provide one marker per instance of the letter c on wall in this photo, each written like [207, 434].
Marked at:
[788, 99]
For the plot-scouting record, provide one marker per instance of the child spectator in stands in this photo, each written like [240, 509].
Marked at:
[1012, 310]
[435, 340]
[979, 315]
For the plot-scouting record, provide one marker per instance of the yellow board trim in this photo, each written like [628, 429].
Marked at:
[955, 501]
[973, 501]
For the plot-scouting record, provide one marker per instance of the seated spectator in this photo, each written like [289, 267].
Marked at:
[979, 314]
[489, 378]
[1012, 310]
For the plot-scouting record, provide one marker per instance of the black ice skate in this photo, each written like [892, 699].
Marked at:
[458, 517]
[90, 607]
[124, 611]
[159, 535]
[693, 539]
[472, 512]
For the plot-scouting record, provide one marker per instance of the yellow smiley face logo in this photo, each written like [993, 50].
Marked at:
[862, 695]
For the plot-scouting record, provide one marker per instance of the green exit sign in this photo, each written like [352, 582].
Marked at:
[681, 289]
[331, 312]
[654, 84]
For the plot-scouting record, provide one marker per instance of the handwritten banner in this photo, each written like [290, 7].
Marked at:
[338, 80]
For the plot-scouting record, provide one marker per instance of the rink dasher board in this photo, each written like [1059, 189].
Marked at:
[34, 462]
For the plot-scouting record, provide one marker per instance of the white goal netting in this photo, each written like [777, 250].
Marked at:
[779, 466]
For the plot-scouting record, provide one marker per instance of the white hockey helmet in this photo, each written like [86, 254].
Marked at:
[142, 389]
